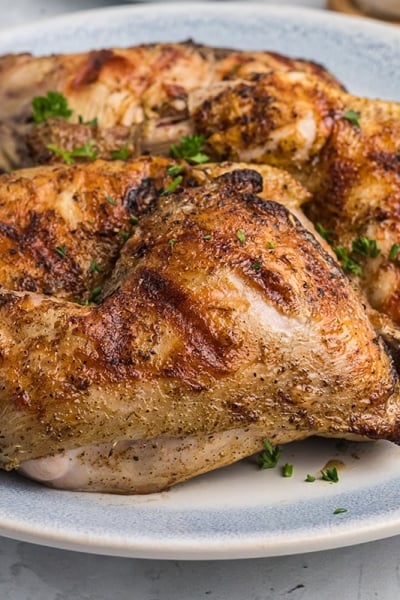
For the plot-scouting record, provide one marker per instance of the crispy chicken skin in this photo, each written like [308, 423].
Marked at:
[62, 227]
[122, 86]
[224, 322]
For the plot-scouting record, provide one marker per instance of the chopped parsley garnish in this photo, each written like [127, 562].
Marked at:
[270, 245]
[53, 104]
[86, 151]
[268, 459]
[92, 122]
[207, 236]
[287, 470]
[124, 235]
[394, 253]
[111, 200]
[349, 264]
[310, 478]
[175, 183]
[133, 219]
[190, 148]
[95, 267]
[241, 236]
[352, 116]
[61, 250]
[339, 511]
[365, 246]
[174, 170]
[330, 474]
[122, 153]
[172, 242]
[256, 266]
[327, 234]
[94, 295]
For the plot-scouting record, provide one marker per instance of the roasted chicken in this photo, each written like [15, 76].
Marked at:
[224, 322]
[160, 326]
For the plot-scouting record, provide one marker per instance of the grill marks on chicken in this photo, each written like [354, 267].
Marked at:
[211, 334]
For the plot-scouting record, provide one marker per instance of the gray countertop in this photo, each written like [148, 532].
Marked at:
[30, 572]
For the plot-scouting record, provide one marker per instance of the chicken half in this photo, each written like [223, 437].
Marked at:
[224, 322]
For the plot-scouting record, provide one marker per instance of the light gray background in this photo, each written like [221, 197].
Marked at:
[29, 572]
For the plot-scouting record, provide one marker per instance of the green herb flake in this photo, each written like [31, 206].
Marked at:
[86, 151]
[270, 246]
[241, 236]
[365, 246]
[133, 219]
[92, 122]
[94, 295]
[61, 250]
[111, 200]
[310, 478]
[122, 153]
[349, 264]
[207, 236]
[175, 183]
[394, 252]
[190, 148]
[95, 267]
[326, 234]
[256, 266]
[268, 459]
[330, 474]
[287, 470]
[53, 104]
[352, 116]
[174, 170]
[339, 511]
[172, 242]
[124, 235]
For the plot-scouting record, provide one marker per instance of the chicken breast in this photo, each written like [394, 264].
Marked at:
[224, 322]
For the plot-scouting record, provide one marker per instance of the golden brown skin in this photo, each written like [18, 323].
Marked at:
[121, 88]
[223, 314]
[350, 165]
[62, 228]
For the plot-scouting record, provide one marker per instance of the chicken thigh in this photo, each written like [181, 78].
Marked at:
[224, 323]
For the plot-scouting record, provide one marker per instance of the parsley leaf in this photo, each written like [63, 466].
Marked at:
[86, 151]
[241, 236]
[61, 250]
[93, 122]
[349, 264]
[394, 253]
[287, 470]
[352, 116]
[94, 295]
[53, 104]
[174, 170]
[111, 200]
[330, 474]
[175, 183]
[339, 510]
[190, 148]
[122, 153]
[365, 246]
[268, 459]
[327, 234]
[310, 478]
[95, 267]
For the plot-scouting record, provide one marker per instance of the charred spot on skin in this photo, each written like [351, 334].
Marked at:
[242, 180]
[139, 198]
[90, 70]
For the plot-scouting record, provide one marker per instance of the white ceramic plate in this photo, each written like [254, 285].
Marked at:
[238, 511]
